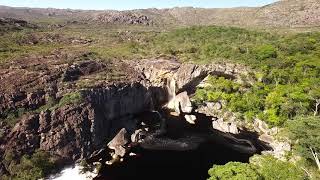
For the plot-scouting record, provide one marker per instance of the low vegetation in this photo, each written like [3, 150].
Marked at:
[304, 131]
[270, 102]
[260, 168]
[12, 117]
[233, 170]
[36, 166]
[70, 98]
[11, 46]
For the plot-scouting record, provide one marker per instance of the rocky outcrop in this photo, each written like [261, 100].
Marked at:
[222, 120]
[227, 127]
[115, 107]
[82, 68]
[119, 142]
[180, 103]
[75, 131]
[33, 81]
[190, 119]
[47, 38]
[14, 24]
[290, 13]
[24, 137]
[165, 72]
[116, 17]
[280, 146]
[183, 79]
[69, 129]
[12, 21]
[263, 128]
[211, 109]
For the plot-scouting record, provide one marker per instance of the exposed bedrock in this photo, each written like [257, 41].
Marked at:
[75, 131]
[29, 83]
[179, 77]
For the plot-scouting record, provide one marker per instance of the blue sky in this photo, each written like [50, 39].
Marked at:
[132, 4]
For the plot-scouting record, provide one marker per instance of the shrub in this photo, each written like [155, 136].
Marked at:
[36, 166]
[306, 132]
[12, 117]
[70, 98]
[265, 51]
[260, 167]
[271, 168]
[233, 171]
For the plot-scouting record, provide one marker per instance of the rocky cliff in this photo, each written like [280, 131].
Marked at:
[75, 131]
[67, 105]
[178, 77]
[56, 106]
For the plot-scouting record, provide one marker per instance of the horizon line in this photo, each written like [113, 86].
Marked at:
[161, 8]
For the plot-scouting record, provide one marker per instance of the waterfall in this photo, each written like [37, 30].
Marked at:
[171, 88]
[73, 172]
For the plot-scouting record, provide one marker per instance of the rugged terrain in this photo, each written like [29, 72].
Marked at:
[285, 13]
[101, 85]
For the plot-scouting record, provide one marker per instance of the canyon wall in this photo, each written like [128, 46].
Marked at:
[74, 131]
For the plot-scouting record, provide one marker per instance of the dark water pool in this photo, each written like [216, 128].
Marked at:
[172, 165]
[182, 165]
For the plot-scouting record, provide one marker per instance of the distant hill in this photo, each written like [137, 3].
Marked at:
[284, 13]
[290, 13]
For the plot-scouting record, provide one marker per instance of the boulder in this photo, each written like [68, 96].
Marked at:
[266, 138]
[181, 102]
[233, 128]
[137, 136]
[190, 119]
[227, 127]
[215, 106]
[280, 149]
[118, 142]
[214, 109]
[262, 128]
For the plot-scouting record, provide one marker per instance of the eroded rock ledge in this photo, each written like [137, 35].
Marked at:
[186, 75]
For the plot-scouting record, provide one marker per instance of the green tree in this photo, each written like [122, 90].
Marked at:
[306, 132]
[271, 168]
[234, 171]
[262, 167]
[37, 166]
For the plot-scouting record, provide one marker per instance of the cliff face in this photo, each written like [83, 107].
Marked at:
[116, 106]
[178, 77]
[65, 131]
[75, 131]
[70, 106]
